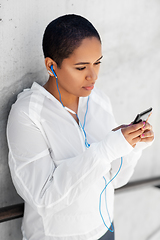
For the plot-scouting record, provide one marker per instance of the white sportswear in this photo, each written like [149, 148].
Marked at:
[60, 179]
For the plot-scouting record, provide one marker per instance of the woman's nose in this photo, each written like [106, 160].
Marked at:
[92, 75]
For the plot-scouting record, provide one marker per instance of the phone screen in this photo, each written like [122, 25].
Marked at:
[142, 116]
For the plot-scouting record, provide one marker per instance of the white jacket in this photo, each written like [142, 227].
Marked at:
[60, 179]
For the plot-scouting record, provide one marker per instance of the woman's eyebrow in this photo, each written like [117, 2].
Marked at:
[82, 63]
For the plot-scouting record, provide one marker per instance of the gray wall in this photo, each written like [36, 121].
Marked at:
[130, 75]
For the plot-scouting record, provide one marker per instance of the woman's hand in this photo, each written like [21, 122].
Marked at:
[134, 133]
[148, 134]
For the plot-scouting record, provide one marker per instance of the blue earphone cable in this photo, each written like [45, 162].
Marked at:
[88, 145]
[82, 127]
[86, 113]
[106, 184]
[59, 91]
[86, 142]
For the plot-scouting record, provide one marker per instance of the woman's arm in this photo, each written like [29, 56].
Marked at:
[39, 181]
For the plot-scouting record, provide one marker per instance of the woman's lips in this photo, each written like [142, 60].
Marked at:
[89, 88]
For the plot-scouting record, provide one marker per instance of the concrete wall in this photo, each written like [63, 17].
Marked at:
[130, 75]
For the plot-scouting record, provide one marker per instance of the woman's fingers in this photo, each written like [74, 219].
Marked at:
[134, 133]
[147, 133]
[134, 127]
[147, 126]
[147, 136]
[148, 139]
[135, 141]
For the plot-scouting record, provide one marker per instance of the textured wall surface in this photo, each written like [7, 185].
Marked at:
[130, 72]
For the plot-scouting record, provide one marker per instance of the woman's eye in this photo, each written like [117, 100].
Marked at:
[80, 68]
[97, 63]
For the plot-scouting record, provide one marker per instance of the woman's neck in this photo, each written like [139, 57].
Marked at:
[68, 100]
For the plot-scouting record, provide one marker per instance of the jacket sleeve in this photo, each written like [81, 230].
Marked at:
[35, 175]
[129, 162]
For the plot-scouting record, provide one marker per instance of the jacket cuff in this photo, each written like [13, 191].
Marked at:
[115, 145]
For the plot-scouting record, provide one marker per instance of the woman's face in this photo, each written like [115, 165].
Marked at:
[79, 72]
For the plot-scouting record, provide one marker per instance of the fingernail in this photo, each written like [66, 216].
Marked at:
[144, 123]
[142, 135]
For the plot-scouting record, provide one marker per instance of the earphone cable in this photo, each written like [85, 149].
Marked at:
[100, 199]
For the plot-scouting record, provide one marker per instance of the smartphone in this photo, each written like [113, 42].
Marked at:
[142, 116]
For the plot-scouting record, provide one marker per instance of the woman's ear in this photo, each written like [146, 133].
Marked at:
[48, 63]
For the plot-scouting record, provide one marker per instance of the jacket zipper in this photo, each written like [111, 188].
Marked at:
[49, 179]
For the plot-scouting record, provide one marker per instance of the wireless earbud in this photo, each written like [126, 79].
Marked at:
[53, 71]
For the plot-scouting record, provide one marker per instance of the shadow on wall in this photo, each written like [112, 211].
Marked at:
[8, 96]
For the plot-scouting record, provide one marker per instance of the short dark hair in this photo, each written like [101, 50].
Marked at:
[64, 34]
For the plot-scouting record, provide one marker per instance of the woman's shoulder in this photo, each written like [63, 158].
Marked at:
[27, 99]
